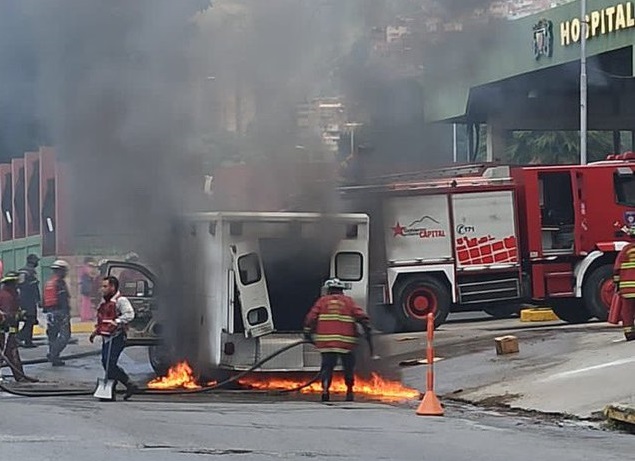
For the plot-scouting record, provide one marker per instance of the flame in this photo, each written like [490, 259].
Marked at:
[178, 376]
[375, 388]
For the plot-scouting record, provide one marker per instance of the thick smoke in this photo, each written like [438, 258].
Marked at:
[122, 89]
[113, 93]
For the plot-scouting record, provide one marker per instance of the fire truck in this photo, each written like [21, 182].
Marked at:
[492, 237]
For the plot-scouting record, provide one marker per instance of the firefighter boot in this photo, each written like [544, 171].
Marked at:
[131, 389]
[629, 333]
[326, 384]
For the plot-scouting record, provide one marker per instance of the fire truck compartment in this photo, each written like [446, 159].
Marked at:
[557, 212]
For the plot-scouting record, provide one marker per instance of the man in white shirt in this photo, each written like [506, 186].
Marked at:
[113, 315]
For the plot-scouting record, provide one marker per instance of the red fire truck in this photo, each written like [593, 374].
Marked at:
[492, 237]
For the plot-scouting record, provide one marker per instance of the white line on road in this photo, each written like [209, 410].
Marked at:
[566, 374]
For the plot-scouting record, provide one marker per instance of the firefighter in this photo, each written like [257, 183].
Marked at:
[29, 288]
[624, 278]
[56, 306]
[10, 316]
[113, 315]
[333, 318]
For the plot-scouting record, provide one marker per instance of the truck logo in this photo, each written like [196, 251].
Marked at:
[418, 228]
[463, 229]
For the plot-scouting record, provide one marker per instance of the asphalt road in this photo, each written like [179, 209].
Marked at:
[232, 428]
[229, 426]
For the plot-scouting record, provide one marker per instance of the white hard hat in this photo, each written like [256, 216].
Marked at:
[335, 283]
[60, 264]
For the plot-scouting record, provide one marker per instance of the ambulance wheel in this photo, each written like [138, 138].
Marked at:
[161, 358]
[416, 298]
[571, 310]
[597, 292]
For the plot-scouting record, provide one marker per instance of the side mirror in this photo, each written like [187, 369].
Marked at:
[141, 288]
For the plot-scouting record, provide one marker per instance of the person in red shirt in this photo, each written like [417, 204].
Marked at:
[9, 319]
[333, 319]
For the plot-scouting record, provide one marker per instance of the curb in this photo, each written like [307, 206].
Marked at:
[76, 327]
[539, 314]
[620, 412]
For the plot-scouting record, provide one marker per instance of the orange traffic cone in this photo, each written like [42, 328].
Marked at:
[430, 405]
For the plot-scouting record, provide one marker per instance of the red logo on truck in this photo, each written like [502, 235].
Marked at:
[486, 250]
[419, 229]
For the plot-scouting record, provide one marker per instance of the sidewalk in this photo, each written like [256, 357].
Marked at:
[77, 327]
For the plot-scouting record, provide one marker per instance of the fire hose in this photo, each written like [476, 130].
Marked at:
[148, 391]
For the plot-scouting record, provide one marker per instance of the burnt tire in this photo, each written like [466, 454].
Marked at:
[416, 297]
[161, 358]
[597, 291]
[571, 310]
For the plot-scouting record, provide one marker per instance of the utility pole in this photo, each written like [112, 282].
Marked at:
[583, 85]
[454, 144]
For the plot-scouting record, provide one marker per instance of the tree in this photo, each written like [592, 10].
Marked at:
[556, 147]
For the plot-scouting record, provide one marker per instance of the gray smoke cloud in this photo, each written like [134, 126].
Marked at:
[112, 90]
[125, 92]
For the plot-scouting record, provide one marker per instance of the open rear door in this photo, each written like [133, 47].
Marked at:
[350, 264]
[137, 283]
[252, 289]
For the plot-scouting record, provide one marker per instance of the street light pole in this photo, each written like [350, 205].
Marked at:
[583, 85]
[454, 144]
[352, 141]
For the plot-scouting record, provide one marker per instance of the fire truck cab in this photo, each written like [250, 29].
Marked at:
[492, 237]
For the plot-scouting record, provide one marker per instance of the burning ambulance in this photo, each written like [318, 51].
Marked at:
[254, 277]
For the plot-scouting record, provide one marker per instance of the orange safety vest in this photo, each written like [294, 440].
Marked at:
[624, 272]
[50, 300]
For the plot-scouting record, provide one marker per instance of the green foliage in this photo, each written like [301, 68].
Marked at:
[557, 147]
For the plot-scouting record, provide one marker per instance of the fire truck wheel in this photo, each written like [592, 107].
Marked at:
[416, 298]
[597, 291]
[571, 310]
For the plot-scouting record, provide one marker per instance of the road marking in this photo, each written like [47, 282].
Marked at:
[566, 374]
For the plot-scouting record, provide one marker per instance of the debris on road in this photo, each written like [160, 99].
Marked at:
[506, 345]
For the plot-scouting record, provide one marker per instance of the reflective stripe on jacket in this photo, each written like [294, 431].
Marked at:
[333, 318]
[624, 271]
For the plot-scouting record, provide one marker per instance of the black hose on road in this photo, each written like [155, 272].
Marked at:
[147, 391]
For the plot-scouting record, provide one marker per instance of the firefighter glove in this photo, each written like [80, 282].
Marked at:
[307, 335]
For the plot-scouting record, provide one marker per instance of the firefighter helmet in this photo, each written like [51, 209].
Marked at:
[11, 276]
[60, 264]
[334, 284]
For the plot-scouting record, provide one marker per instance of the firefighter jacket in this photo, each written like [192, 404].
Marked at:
[333, 318]
[56, 295]
[624, 272]
[9, 309]
[117, 308]
[29, 288]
